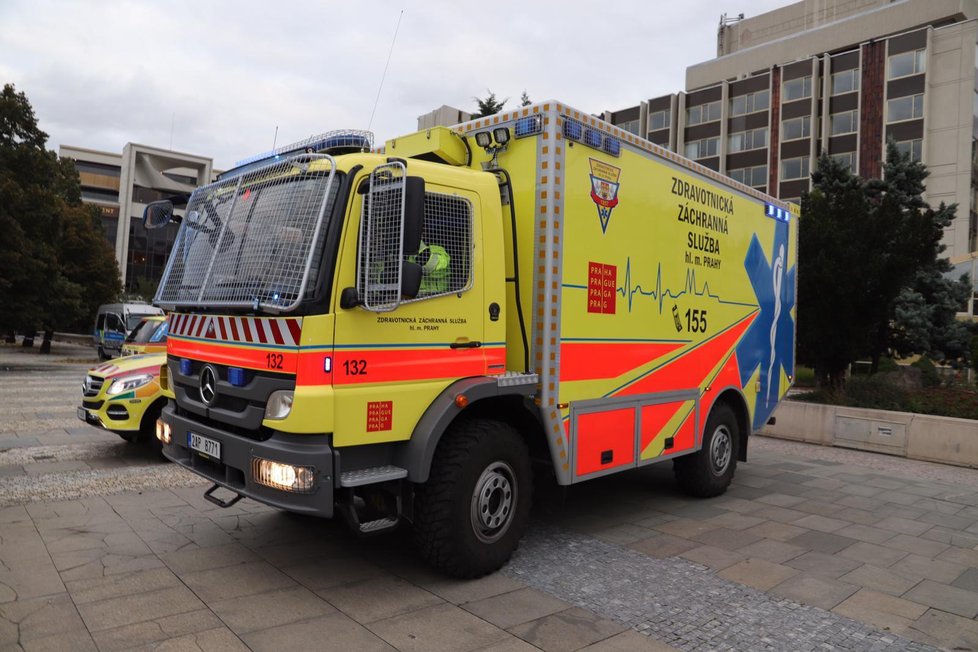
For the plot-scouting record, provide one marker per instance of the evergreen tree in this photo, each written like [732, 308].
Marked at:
[488, 105]
[908, 252]
[834, 237]
[525, 99]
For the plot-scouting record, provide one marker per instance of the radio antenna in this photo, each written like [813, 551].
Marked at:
[386, 65]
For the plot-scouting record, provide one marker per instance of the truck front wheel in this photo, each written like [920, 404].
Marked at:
[471, 514]
[708, 472]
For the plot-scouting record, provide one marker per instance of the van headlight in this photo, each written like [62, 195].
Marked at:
[279, 404]
[127, 383]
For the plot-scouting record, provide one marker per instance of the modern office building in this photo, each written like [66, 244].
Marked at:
[121, 185]
[841, 77]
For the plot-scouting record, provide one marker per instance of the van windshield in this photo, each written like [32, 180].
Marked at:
[132, 321]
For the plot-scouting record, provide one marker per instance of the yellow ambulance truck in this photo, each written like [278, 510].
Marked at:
[596, 304]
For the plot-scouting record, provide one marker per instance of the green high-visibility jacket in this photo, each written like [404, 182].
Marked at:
[434, 273]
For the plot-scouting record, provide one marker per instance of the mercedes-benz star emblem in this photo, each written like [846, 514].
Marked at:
[208, 385]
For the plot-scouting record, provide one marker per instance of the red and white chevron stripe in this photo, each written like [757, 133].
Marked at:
[247, 330]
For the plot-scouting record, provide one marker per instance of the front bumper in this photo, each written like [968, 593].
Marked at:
[233, 470]
[121, 416]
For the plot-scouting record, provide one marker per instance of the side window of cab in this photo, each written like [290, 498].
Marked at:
[445, 255]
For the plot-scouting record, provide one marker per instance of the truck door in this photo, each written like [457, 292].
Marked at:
[388, 366]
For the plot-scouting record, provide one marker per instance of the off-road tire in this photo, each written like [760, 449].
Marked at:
[708, 472]
[479, 465]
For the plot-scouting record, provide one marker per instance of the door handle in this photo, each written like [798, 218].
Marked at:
[465, 345]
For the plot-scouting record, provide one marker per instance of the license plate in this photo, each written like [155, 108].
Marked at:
[82, 414]
[205, 445]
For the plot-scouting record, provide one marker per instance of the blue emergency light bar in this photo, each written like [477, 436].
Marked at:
[778, 213]
[528, 126]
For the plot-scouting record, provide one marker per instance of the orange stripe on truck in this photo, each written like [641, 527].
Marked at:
[360, 366]
[599, 360]
[277, 359]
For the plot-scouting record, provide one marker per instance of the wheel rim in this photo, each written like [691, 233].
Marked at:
[493, 502]
[721, 450]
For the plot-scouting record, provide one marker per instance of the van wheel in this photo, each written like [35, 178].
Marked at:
[101, 353]
[708, 472]
[471, 514]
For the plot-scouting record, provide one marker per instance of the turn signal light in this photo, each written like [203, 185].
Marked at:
[163, 432]
[462, 401]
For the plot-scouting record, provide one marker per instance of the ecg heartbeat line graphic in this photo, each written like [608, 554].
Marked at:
[659, 294]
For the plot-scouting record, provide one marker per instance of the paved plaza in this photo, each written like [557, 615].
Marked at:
[104, 547]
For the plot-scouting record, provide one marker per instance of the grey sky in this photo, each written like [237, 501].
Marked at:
[103, 73]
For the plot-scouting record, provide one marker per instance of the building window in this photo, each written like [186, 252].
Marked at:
[659, 120]
[846, 81]
[905, 108]
[754, 177]
[907, 63]
[96, 194]
[631, 126]
[796, 128]
[750, 103]
[744, 140]
[703, 113]
[845, 159]
[98, 168]
[797, 89]
[846, 122]
[702, 148]
[913, 147]
[795, 168]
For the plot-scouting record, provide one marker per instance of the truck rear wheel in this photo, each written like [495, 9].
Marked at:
[471, 514]
[708, 472]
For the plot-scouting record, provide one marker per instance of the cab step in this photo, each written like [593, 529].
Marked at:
[379, 525]
[372, 475]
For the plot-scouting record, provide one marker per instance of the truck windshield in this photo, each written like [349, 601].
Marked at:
[253, 240]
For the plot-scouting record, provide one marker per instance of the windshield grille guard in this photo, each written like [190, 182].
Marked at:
[252, 240]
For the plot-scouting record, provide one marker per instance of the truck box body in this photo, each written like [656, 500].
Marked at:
[646, 287]
[657, 284]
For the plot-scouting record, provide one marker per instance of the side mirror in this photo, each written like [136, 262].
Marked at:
[157, 214]
[410, 280]
[413, 214]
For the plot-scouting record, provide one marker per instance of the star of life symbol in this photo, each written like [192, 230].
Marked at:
[604, 189]
[768, 345]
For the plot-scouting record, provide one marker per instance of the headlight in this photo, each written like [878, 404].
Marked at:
[279, 404]
[127, 383]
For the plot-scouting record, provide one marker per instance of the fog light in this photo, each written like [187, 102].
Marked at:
[279, 404]
[298, 479]
[163, 431]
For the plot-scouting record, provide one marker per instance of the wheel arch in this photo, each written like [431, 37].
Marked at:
[733, 397]
[485, 399]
